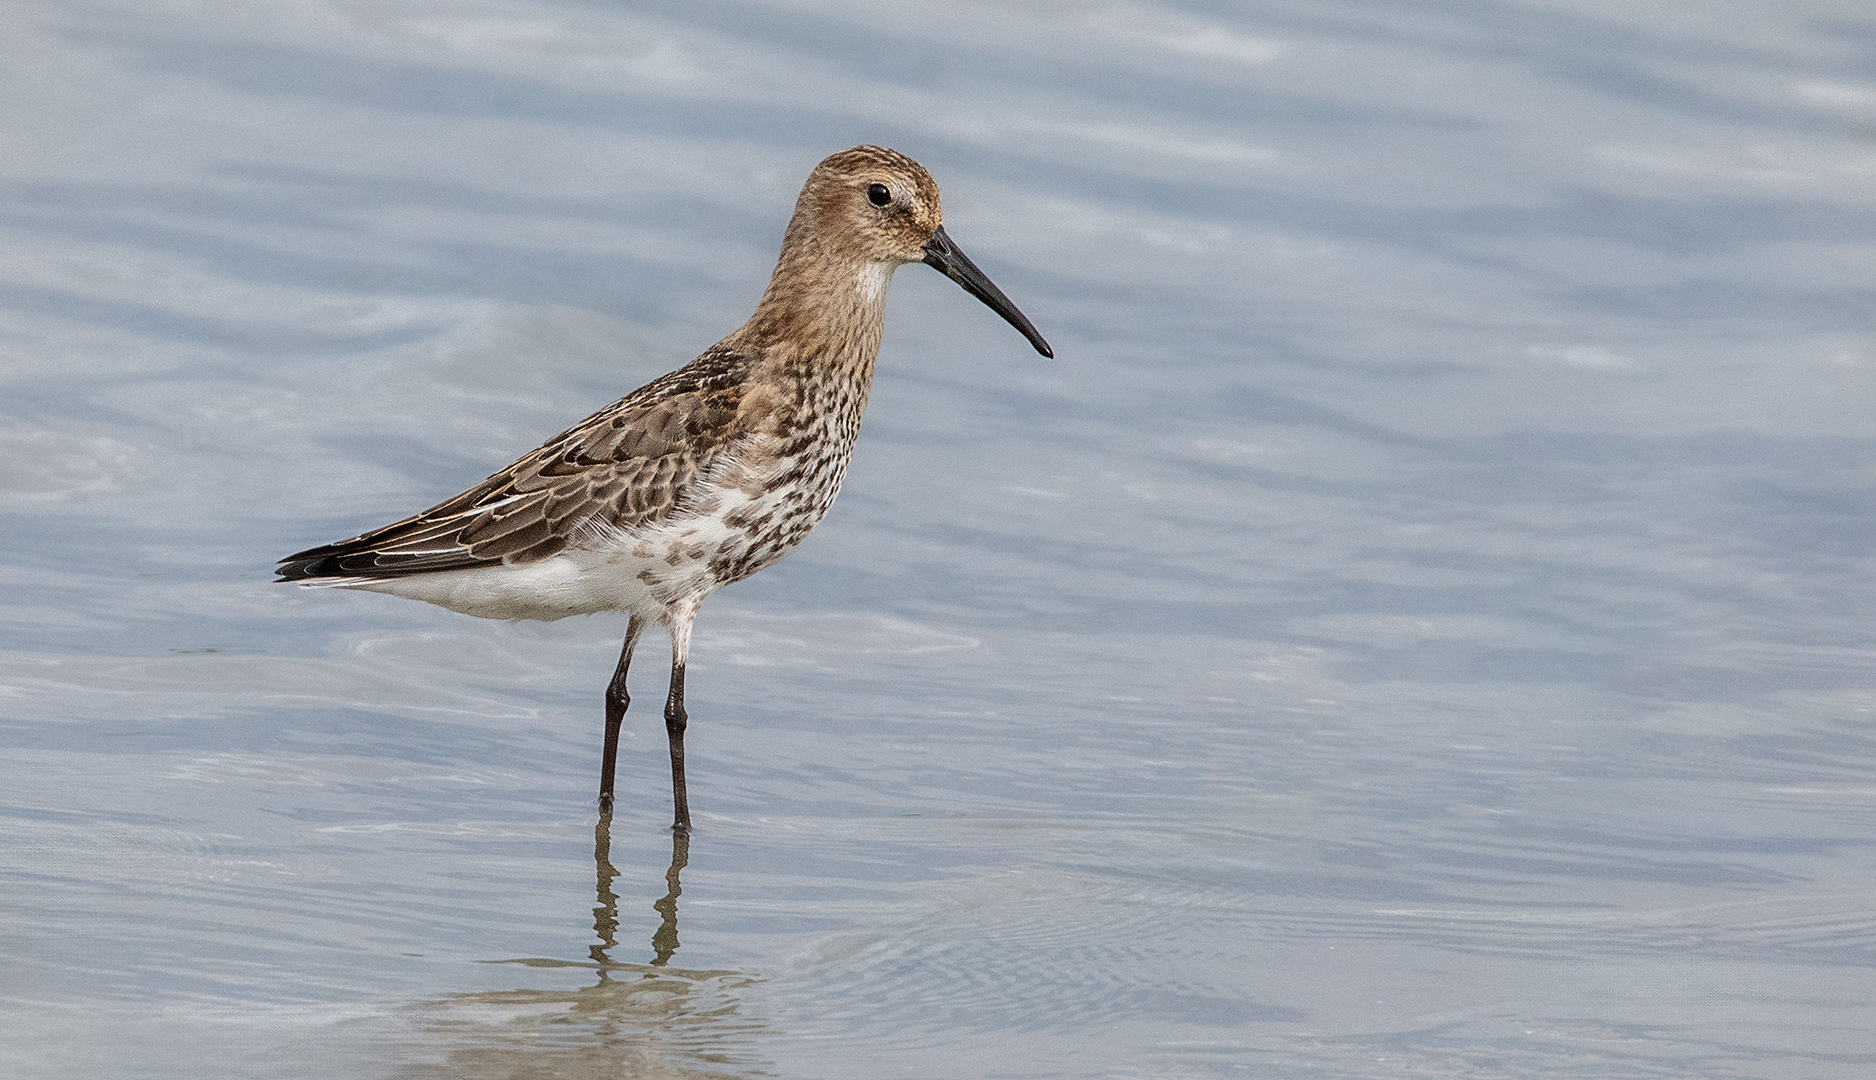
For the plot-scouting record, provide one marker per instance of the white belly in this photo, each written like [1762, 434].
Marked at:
[570, 583]
[648, 573]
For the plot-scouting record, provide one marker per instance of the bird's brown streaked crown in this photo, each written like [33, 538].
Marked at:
[838, 209]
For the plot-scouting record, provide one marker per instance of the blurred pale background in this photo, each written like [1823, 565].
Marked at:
[1422, 624]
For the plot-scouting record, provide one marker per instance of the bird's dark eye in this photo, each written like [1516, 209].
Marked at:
[878, 194]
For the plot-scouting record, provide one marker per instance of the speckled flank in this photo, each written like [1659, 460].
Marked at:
[702, 476]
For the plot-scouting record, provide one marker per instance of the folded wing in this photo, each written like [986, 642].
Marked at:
[632, 463]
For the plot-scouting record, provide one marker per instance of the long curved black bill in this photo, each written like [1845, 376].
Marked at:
[944, 255]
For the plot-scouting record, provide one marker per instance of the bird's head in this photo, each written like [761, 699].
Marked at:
[877, 207]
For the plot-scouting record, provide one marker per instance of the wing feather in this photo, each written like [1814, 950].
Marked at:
[634, 462]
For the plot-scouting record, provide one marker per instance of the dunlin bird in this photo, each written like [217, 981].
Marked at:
[699, 478]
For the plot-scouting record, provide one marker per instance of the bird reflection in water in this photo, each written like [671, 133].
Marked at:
[668, 1021]
[606, 915]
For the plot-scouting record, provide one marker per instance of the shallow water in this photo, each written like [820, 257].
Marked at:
[1421, 625]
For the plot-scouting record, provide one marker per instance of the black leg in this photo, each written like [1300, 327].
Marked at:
[616, 702]
[674, 722]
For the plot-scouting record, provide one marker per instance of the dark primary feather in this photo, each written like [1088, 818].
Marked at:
[628, 464]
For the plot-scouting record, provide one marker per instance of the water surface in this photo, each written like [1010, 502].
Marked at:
[1420, 625]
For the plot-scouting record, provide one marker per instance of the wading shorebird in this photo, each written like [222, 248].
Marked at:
[699, 478]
